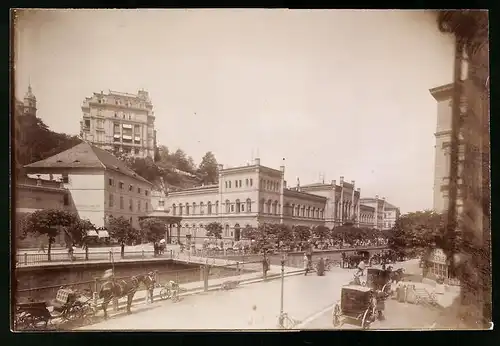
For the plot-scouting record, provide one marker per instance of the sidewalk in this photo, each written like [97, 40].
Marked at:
[233, 309]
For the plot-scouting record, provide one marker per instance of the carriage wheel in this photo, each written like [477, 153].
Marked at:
[165, 293]
[367, 318]
[387, 289]
[336, 315]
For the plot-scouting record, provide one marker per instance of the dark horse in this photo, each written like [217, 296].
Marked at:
[118, 288]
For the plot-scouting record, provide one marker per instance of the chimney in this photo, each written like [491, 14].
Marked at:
[298, 184]
[341, 180]
[282, 169]
[353, 182]
[257, 162]
[376, 196]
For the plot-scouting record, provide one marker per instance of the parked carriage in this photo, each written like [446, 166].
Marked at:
[69, 305]
[357, 304]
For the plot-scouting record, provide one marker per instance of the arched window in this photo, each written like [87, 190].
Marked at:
[209, 208]
[321, 214]
[293, 209]
[249, 205]
[229, 182]
[238, 208]
[317, 214]
[269, 203]
[226, 233]
[180, 209]
[246, 182]
[194, 208]
[174, 209]
[228, 204]
[187, 208]
[275, 208]
[216, 207]
[261, 206]
[202, 208]
[303, 211]
[308, 211]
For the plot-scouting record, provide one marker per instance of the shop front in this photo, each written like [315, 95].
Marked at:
[437, 266]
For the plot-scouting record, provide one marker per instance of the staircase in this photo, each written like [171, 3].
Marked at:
[424, 297]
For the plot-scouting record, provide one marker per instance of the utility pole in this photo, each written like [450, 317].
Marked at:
[281, 317]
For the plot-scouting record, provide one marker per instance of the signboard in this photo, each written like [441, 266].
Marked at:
[438, 256]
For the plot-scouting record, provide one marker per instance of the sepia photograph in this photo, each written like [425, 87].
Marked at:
[250, 170]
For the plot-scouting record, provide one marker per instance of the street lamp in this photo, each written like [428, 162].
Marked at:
[281, 317]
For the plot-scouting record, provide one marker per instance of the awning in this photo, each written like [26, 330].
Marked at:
[92, 233]
[103, 234]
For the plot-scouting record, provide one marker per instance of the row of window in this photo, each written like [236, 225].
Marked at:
[111, 202]
[239, 183]
[269, 185]
[119, 102]
[121, 185]
[195, 209]
[298, 210]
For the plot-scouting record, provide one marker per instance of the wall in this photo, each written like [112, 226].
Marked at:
[141, 200]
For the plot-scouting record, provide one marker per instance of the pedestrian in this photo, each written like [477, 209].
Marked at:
[70, 252]
[42, 247]
[254, 319]
[361, 268]
[321, 267]
[265, 266]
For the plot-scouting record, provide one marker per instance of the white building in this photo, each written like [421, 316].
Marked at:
[100, 186]
[120, 121]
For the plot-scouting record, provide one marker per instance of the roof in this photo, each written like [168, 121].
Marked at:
[357, 288]
[389, 206]
[85, 155]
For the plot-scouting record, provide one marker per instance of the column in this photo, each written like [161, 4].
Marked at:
[359, 202]
[341, 216]
[376, 212]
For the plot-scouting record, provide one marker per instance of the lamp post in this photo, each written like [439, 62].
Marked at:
[282, 315]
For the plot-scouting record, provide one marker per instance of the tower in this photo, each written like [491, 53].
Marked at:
[29, 103]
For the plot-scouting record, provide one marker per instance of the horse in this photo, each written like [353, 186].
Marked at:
[125, 287]
[397, 275]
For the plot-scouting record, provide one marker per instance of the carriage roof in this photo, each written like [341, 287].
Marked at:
[358, 288]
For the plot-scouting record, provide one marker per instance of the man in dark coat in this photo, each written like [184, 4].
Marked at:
[321, 267]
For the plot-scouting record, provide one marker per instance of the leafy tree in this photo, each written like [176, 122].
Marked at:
[209, 169]
[153, 229]
[214, 229]
[263, 237]
[38, 142]
[122, 231]
[51, 222]
[301, 233]
[283, 234]
[321, 232]
[415, 233]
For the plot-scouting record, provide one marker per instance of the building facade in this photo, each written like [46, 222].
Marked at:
[99, 185]
[38, 194]
[391, 215]
[442, 163]
[342, 201]
[378, 205]
[120, 122]
[247, 195]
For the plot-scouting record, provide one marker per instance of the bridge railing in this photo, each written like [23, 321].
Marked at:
[28, 259]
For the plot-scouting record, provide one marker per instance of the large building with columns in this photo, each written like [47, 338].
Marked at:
[254, 194]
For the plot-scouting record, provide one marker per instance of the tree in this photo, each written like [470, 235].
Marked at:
[153, 229]
[415, 233]
[51, 222]
[209, 169]
[263, 237]
[122, 231]
[301, 233]
[321, 232]
[214, 229]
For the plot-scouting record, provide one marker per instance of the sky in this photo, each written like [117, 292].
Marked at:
[333, 92]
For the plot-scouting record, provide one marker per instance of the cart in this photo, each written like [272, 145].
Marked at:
[31, 316]
[71, 305]
[357, 304]
[378, 279]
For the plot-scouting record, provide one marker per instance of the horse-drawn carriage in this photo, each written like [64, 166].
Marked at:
[171, 290]
[378, 279]
[351, 261]
[69, 305]
[357, 304]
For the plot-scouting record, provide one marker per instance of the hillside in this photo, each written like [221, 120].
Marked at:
[178, 170]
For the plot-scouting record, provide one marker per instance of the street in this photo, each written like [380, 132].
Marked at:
[303, 297]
